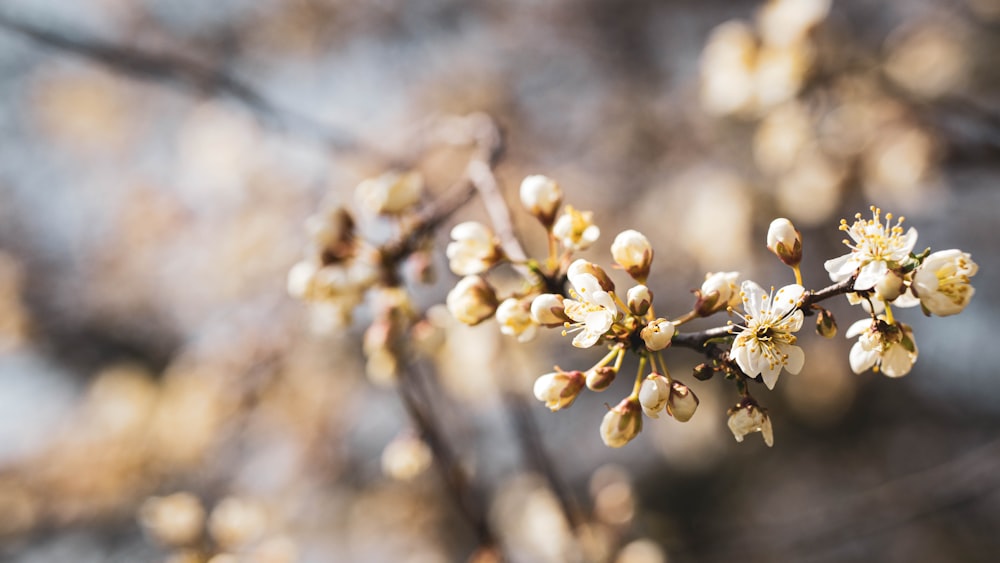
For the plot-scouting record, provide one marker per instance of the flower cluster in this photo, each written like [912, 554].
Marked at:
[879, 271]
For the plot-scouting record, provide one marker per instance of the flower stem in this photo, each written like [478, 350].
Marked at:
[798, 274]
[689, 316]
[638, 378]
[888, 313]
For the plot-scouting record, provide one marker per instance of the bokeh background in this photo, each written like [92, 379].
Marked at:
[161, 397]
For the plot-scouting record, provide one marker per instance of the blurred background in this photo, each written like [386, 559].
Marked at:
[162, 398]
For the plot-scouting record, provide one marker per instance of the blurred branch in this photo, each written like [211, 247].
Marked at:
[185, 73]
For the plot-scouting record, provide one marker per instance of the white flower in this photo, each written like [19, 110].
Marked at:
[682, 403]
[942, 282]
[576, 229]
[766, 343]
[785, 241]
[515, 320]
[653, 394]
[877, 248]
[541, 196]
[638, 299]
[888, 348]
[622, 423]
[472, 300]
[592, 312]
[473, 249]
[559, 389]
[632, 251]
[547, 310]
[747, 417]
[301, 279]
[390, 193]
[657, 334]
[717, 293]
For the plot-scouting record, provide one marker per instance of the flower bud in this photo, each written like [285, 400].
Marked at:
[599, 379]
[639, 300]
[473, 249]
[703, 372]
[541, 196]
[622, 423]
[301, 279]
[581, 266]
[547, 310]
[515, 319]
[632, 251]
[682, 402]
[559, 389]
[472, 300]
[890, 286]
[785, 241]
[747, 417]
[391, 193]
[826, 324]
[653, 394]
[717, 293]
[657, 334]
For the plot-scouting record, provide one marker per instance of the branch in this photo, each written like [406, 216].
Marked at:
[186, 74]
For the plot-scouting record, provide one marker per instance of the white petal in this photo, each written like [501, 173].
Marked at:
[753, 295]
[770, 375]
[796, 358]
[896, 361]
[906, 300]
[603, 298]
[740, 355]
[599, 321]
[786, 299]
[870, 274]
[858, 327]
[909, 240]
[840, 268]
[861, 359]
[793, 323]
[586, 339]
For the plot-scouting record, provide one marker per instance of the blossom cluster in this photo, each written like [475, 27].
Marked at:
[879, 271]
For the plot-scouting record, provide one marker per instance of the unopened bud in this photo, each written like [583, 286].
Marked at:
[622, 423]
[559, 389]
[703, 372]
[547, 310]
[747, 417]
[391, 193]
[599, 379]
[826, 324]
[541, 196]
[639, 300]
[682, 402]
[582, 266]
[785, 241]
[657, 334]
[717, 293]
[890, 286]
[472, 300]
[632, 251]
[653, 394]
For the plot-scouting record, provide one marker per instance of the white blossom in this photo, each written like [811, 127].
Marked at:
[390, 193]
[889, 348]
[558, 389]
[593, 310]
[472, 300]
[766, 344]
[515, 320]
[746, 418]
[576, 229]
[653, 394]
[942, 282]
[473, 249]
[632, 251]
[876, 249]
[657, 334]
[621, 423]
[547, 310]
[541, 196]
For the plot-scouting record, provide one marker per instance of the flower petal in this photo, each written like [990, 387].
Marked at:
[753, 297]
[796, 358]
[840, 268]
[786, 299]
[861, 359]
[870, 274]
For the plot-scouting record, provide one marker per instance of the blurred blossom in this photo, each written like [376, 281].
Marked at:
[406, 457]
[900, 168]
[641, 551]
[176, 520]
[727, 69]
[784, 23]
[721, 198]
[780, 74]
[236, 522]
[809, 192]
[530, 515]
[781, 136]
[929, 59]
[613, 495]
[215, 155]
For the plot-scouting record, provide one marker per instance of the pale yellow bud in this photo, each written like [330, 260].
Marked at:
[472, 300]
[633, 252]
[559, 389]
[682, 402]
[622, 423]
[547, 310]
[657, 334]
[785, 241]
[639, 300]
[653, 394]
[541, 196]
